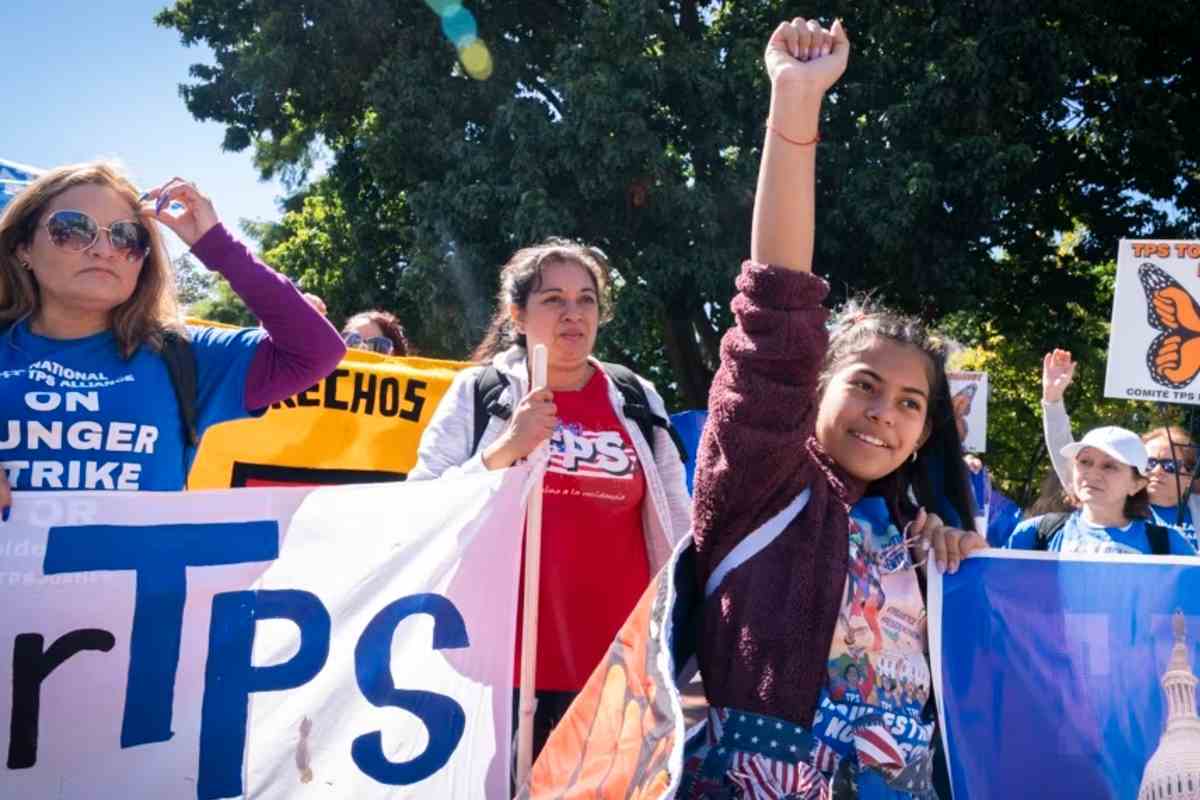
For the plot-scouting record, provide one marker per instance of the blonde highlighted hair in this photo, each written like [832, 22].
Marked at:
[149, 312]
[1175, 435]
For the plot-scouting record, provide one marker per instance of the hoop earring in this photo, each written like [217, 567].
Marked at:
[913, 457]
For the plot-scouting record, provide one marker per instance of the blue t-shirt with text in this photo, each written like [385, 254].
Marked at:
[1080, 536]
[74, 414]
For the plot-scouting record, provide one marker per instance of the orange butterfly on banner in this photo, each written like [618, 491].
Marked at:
[1174, 356]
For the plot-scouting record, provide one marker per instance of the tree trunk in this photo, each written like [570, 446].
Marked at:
[710, 340]
[687, 362]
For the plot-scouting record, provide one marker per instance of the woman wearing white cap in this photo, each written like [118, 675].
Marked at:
[1108, 478]
[1170, 468]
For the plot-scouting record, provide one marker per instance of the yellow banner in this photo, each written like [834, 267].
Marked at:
[360, 424]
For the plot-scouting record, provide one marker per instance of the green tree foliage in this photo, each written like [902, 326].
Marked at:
[1016, 450]
[965, 138]
[193, 283]
[223, 305]
[206, 295]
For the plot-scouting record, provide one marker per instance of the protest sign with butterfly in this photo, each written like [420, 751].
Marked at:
[1154, 344]
[969, 399]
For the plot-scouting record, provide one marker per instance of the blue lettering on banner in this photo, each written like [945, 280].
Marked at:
[160, 555]
[441, 715]
[230, 677]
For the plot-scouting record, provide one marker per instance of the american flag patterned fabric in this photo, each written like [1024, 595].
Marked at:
[877, 749]
[755, 757]
[825, 758]
[762, 778]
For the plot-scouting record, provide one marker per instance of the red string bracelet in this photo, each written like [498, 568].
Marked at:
[816, 137]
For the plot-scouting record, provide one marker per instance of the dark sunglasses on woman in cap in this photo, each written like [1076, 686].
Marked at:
[76, 231]
[376, 344]
[1170, 465]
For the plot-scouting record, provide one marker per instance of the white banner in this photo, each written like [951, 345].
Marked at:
[351, 641]
[1154, 345]
[969, 400]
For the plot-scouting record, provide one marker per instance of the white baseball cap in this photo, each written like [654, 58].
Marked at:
[1123, 445]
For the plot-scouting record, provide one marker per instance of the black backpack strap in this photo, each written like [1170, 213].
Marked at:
[637, 407]
[181, 367]
[1047, 526]
[1160, 539]
[489, 386]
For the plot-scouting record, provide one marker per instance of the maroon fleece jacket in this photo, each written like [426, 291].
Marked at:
[767, 628]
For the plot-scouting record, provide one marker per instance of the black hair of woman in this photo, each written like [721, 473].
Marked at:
[521, 276]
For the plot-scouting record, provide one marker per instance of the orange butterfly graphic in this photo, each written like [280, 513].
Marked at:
[961, 404]
[1174, 356]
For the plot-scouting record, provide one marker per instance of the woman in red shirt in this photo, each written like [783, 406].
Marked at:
[614, 503]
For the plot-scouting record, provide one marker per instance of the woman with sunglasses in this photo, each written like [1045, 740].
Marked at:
[87, 301]
[1171, 462]
[377, 331]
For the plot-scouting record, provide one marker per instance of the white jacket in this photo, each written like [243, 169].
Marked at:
[445, 449]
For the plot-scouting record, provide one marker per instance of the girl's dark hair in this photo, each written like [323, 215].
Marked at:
[937, 480]
[522, 276]
[1053, 497]
[387, 323]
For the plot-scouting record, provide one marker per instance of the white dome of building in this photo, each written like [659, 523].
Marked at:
[1173, 772]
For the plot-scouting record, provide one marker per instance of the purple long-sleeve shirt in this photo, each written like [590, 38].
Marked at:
[300, 347]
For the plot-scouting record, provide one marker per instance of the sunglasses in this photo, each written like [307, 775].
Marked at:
[377, 344]
[76, 231]
[1170, 465]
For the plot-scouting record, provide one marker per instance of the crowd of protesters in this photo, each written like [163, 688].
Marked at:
[1111, 492]
[828, 472]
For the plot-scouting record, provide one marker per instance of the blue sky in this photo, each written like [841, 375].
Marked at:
[89, 79]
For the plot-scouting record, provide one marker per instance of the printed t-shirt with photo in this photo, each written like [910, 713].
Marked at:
[878, 675]
[75, 415]
[594, 564]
